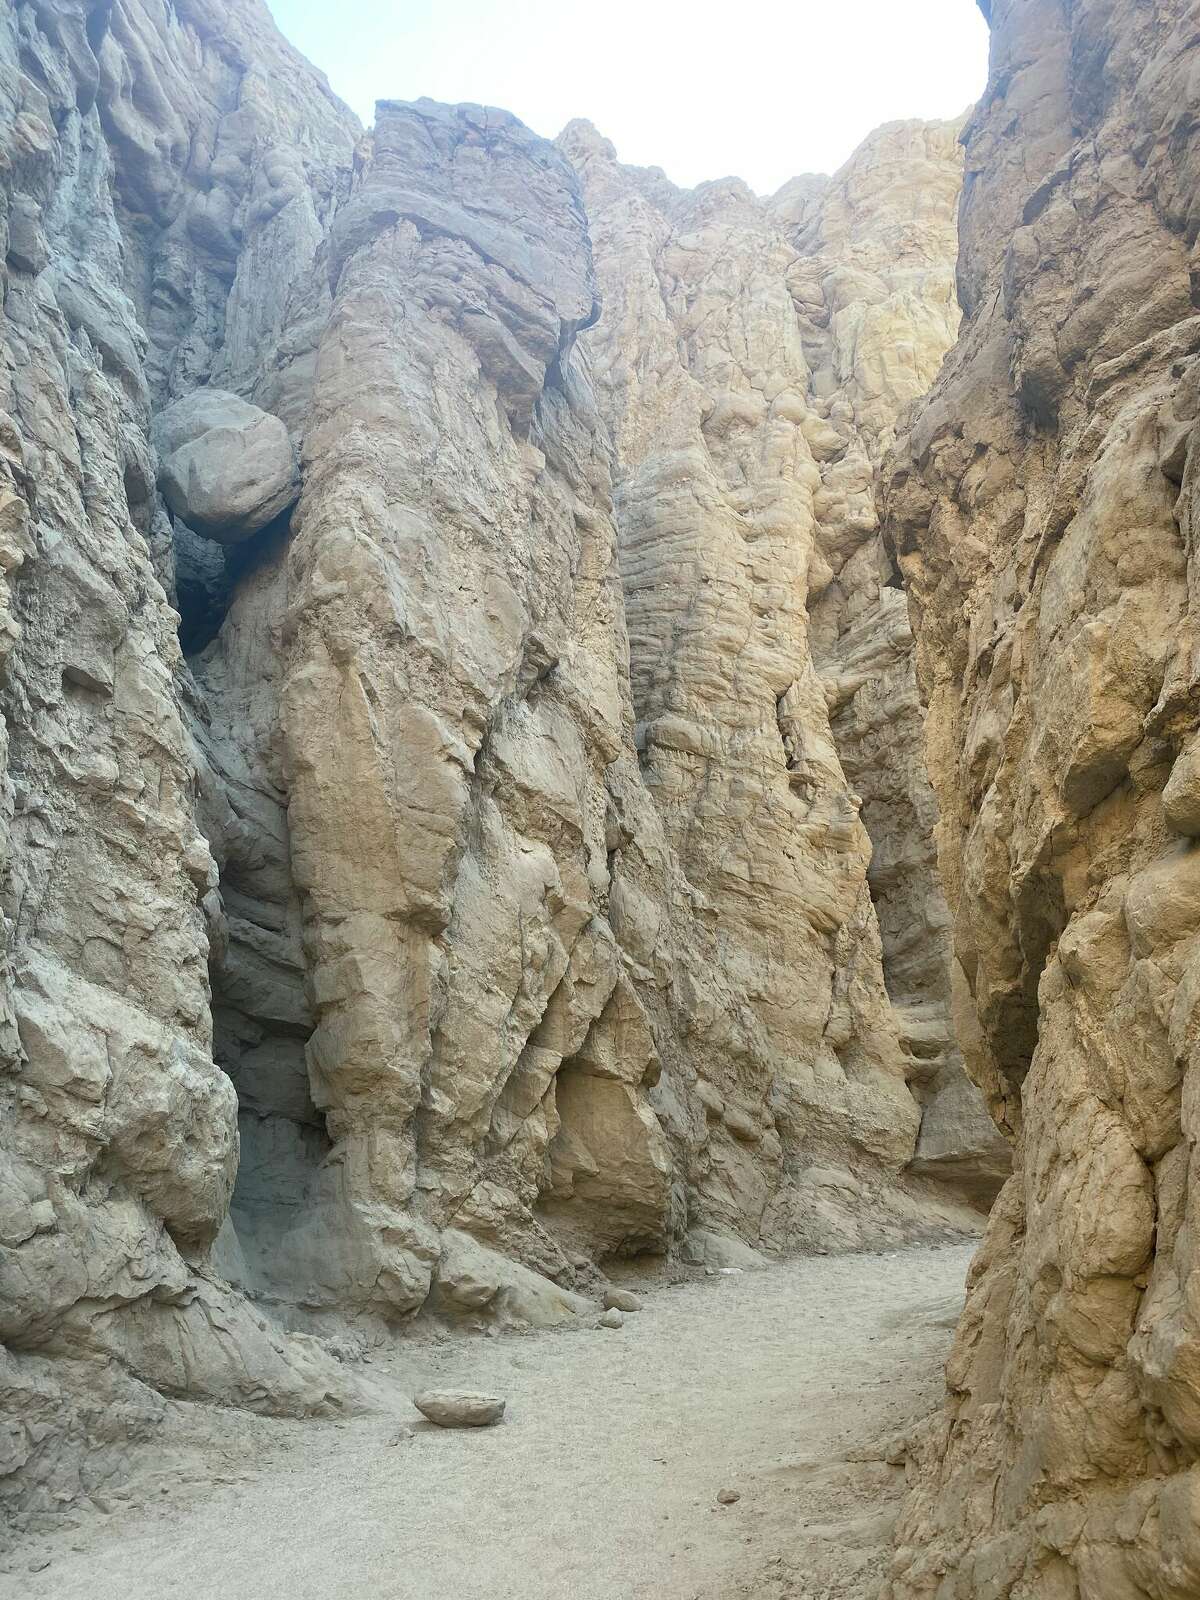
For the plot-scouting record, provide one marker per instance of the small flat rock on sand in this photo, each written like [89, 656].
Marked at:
[459, 1408]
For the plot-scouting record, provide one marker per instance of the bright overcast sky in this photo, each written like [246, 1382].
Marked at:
[762, 88]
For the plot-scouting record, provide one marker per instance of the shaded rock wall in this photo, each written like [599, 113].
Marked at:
[140, 152]
[1042, 507]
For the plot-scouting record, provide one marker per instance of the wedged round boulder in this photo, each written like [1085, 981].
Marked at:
[459, 1408]
[226, 468]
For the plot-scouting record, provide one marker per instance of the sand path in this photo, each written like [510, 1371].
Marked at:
[785, 1385]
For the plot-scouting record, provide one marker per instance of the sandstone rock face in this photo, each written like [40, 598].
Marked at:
[477, 1046]
[879, 313]
[388, 922]
[137, 148]
[1043, 507]
[752, 359]
[467, 983]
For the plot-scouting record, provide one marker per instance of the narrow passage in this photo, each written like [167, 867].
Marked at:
[789, 1386]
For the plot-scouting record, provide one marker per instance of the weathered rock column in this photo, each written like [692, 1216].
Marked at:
[746, 413]
[1043, 507]
[455, 694]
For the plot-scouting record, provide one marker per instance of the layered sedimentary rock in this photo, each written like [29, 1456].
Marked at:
[752, 358]
[542, 1028]
[150, 153]
[1043, 509]
[389, 924]
[453, 709]
[876, 292]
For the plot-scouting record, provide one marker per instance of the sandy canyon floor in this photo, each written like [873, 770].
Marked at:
[789, 1386]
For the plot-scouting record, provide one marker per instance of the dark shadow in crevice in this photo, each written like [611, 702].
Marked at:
[208, 575]
[227, 598]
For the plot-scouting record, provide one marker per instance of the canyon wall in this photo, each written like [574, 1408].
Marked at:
[879, 249]
[437, 714]
[167, 172]
[751, 359]
[1042, 507]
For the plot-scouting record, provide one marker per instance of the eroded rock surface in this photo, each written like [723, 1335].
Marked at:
[478, 1043]
[876, 293]
[752, 358]
[1043, 507]
[423, 879]
[140, 146]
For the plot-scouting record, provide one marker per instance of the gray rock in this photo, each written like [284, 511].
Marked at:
[459, 1408]
[27, 247]
[612, 1318]
[621, 1300]
[227, 468]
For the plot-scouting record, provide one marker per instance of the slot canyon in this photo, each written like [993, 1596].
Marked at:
[567, 740]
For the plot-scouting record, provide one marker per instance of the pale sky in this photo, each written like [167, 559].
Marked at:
[763, 89]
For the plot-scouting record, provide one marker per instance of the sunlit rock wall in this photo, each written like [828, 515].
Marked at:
[752, 358]
[429, 866]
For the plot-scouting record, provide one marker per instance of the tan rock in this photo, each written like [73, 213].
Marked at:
[471, 885]
[459, 1408]
[1042, 507]
[1181, 797]
[621, 1300]
[744, 469]
[460, 959]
